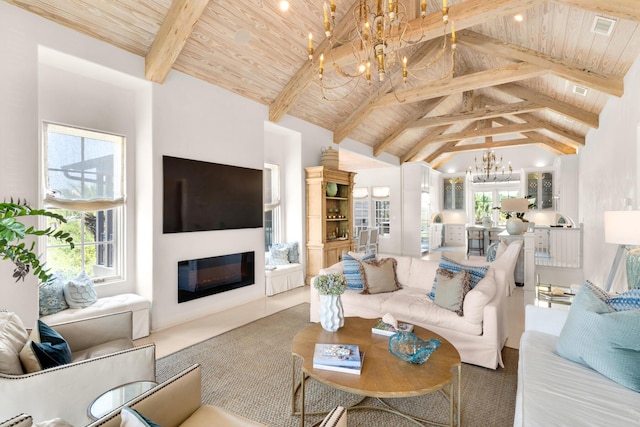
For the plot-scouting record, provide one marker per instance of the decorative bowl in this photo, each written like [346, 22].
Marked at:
[410, 348]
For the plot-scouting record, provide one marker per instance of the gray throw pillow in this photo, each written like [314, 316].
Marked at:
[379, 276]
[452, 288]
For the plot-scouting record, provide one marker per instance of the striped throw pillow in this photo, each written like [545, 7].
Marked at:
[351, 270]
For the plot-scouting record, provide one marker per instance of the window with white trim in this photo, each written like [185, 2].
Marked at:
[382, 210]
[360, 210]
[84, 181]
[272, 206]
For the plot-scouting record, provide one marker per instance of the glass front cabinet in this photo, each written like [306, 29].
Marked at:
[540, 186]
[453, 192]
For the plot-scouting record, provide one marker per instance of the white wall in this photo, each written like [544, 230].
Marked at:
[608, 174]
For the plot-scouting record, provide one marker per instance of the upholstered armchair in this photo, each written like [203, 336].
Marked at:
[178, 401]
[102, 357]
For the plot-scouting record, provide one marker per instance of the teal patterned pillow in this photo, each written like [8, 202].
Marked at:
[51, 295]
[80, 292]
[132, 418]
[475, 273]
[492, 250]
[626, 301]
[597, 336]
[279, 255]
[351, 270]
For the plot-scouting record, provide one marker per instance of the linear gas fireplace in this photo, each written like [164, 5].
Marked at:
[202, 277]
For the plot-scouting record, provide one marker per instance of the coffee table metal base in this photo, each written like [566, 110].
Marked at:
[453, 397]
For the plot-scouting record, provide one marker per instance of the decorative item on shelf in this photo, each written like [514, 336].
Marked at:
[518, 207]
[381, 34]
[332, 189]
[409, 347]
[621, 228]
[330, 158]
[490, 169]
[330, 287]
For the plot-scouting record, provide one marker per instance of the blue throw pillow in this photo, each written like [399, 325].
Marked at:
[293, 255]
[492, 250]
[46, 349]
[597, 336]
[351, 271]
[51, 295]
[132, 418]
[626, 301]
[475, 273]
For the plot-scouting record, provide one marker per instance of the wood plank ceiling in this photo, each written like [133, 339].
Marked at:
[541, 81]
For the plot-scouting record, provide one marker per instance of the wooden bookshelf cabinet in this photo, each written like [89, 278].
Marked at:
[329, 218]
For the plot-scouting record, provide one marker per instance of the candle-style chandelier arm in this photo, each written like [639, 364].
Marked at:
[490, 169]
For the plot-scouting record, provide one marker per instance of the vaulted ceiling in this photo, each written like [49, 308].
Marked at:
[541, 81]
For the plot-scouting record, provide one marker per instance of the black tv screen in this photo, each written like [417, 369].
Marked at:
[199, 196]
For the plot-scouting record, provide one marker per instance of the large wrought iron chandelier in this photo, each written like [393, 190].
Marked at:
[380, 35]
[490, 169]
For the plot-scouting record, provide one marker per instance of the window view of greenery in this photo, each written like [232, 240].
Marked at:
[483, 205]
[84, 180]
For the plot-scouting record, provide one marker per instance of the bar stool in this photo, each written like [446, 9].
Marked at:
[475, 240]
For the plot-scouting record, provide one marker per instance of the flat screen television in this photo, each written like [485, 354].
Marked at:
[199, 196]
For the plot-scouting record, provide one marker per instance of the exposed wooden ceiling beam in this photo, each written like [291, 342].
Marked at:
[575, 138]
[610, 84]
[568, 110]
[549, 144]
[625, 9]
[423, 110]
[490, 131]
[490, 145]
[298, 83]
[466, 14]
[358, 116]
[171, 37]
[497, 76]
[478, 114]
[410, 155]
[444, 149]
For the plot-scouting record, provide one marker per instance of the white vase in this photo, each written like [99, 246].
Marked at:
[331, 312]
[515, 226]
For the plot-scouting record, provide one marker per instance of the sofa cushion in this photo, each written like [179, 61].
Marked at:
[131, 418]
[379, 276]
[102, 349]
[351, 270]
[79, 291]
[45, 349]
[452, 288]
[606, 340]
[629, 300]
[477, 298]
[13, 337]
[51, 295]
[476, 273]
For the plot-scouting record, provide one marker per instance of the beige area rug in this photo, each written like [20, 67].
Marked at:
[248, 371]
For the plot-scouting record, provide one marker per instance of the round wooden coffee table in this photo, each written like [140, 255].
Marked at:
[383, 375]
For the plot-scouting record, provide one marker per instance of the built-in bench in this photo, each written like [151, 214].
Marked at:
[107, 305]
[284, 278]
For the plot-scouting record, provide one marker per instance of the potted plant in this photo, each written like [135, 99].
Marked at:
[330, 287]
[13, 232]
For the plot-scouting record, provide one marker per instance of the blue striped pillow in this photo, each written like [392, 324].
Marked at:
[351, 270]
[629, 300]
[475, 273]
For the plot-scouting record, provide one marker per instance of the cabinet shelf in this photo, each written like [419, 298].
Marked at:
[338, 198]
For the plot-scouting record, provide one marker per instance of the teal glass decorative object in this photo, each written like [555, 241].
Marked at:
[332, 189]
[633, 268]
[409, 347]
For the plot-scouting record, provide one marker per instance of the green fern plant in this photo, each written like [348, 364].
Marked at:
[12, 235]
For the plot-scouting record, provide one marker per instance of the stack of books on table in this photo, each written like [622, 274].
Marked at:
[383, 328]
[345, 358]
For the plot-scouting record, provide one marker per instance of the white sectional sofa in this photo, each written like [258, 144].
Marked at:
[554, 391]
[479, 335]
[136, 304]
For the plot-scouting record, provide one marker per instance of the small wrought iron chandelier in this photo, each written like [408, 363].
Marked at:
[490, 169]
[379, 35]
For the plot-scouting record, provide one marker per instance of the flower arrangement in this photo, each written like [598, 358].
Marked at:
[330, 284]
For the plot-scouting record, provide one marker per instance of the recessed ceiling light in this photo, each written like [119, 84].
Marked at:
[284, 5]
[242, 36]
[518, 18]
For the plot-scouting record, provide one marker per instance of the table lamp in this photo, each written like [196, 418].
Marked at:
[623, 228]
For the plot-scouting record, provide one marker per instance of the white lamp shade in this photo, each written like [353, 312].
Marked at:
[514, 205]
[622, 227]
